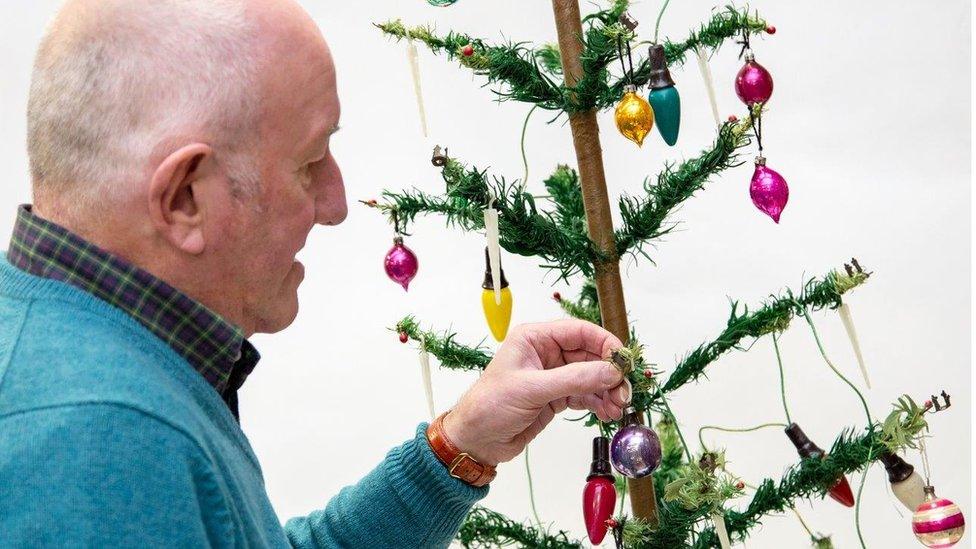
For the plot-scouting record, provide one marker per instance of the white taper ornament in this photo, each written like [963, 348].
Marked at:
[706, 73]
[494, 249]
[412, 57]
[425, 377]
[718, 520]
[848, 320]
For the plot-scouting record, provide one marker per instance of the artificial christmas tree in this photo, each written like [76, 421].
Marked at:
[680, 500]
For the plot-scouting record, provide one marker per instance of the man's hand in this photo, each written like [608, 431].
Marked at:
[539, 371]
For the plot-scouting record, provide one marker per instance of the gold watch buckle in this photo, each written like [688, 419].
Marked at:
[457, 462]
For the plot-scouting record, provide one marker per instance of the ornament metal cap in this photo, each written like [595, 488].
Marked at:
[488, 283]
[630, 88]
[929, 492]
[398, 240]
[804, 445]
[600, 466]
[630, 417]
[760, 160]
[750, 57]
[660, 76]
[897, 468]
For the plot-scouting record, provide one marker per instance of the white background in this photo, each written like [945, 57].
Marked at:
[870, 125]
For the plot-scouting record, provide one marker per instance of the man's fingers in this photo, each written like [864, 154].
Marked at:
[578, 378]
[553, 341]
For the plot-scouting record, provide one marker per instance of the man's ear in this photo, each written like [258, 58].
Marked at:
[173, 207]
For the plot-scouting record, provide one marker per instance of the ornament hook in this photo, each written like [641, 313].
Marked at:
[627, 21]
[439, 158]
[938, 407]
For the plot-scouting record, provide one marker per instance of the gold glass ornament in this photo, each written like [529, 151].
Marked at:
[634, 116]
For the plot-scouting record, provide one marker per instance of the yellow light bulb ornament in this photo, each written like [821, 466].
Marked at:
[634, 116]
[498, 313]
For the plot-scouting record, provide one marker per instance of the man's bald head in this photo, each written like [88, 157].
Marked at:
[119, 82]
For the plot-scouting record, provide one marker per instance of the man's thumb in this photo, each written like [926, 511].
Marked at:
[578, 378]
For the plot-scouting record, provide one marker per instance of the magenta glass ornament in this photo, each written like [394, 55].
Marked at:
[768, 190]
[401, 263]
[753, 84]
[635, 451]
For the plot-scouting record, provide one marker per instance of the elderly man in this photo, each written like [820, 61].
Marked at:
[180, 157]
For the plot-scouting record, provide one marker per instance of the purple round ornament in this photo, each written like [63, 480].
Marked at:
[768, 190]
[635, 451]
[753, 84]
[401, 263]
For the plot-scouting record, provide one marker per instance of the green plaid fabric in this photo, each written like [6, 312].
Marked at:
[214, 347]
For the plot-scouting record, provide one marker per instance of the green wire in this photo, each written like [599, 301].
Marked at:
[867, 412]
[675, 419]
[733, 430]
[782, 379]
[657, 25]
[525, 160]
[816, 336]
[528, 474]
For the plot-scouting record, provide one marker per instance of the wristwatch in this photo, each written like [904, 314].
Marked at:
[460, 465]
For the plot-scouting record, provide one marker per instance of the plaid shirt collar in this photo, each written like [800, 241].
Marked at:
[214, 347]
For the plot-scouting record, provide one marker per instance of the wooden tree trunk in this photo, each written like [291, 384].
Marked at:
[589, 157]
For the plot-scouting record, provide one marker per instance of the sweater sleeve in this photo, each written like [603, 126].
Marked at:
[100, 475]
[409, 500]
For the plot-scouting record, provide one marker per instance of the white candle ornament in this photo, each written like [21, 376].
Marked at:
[415, 73]
[425, 377]
[845, 317]
[718, 520]
[706, 73]
[494, 249]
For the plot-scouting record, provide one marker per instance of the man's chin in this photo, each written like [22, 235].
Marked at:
[284, 309]
[281, 318]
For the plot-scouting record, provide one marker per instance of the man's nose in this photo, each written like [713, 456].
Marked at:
[330, 198]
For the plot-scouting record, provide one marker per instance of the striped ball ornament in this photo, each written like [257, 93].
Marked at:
[938, 522]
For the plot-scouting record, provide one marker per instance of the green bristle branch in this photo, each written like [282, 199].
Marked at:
[567, 196]
[534, 76]
[514, 65]
[484, 528]
[774, 316]
[811, 477]
[723, 26]
[523, 228]
[644, 217]
[451, 355]
[587, 306]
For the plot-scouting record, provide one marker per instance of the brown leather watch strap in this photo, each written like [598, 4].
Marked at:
[460, 465]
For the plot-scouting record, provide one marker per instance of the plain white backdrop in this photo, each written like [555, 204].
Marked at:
[870, 125]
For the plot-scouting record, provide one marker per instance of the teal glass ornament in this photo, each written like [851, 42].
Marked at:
[441, 3]
[664, 97]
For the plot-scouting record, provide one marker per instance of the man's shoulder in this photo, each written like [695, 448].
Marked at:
[57, 353]
[105, 475]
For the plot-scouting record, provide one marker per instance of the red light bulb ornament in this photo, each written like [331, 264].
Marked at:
[600, 494]
[841, 490]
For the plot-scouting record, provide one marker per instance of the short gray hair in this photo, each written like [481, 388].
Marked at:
[126, 81]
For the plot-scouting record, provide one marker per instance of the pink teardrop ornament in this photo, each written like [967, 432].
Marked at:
[768, 190]
[401, 263]
[753, 84]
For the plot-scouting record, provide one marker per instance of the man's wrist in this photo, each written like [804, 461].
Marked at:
[461, 463]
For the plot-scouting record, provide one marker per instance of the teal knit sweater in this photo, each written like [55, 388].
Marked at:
[108, 438]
